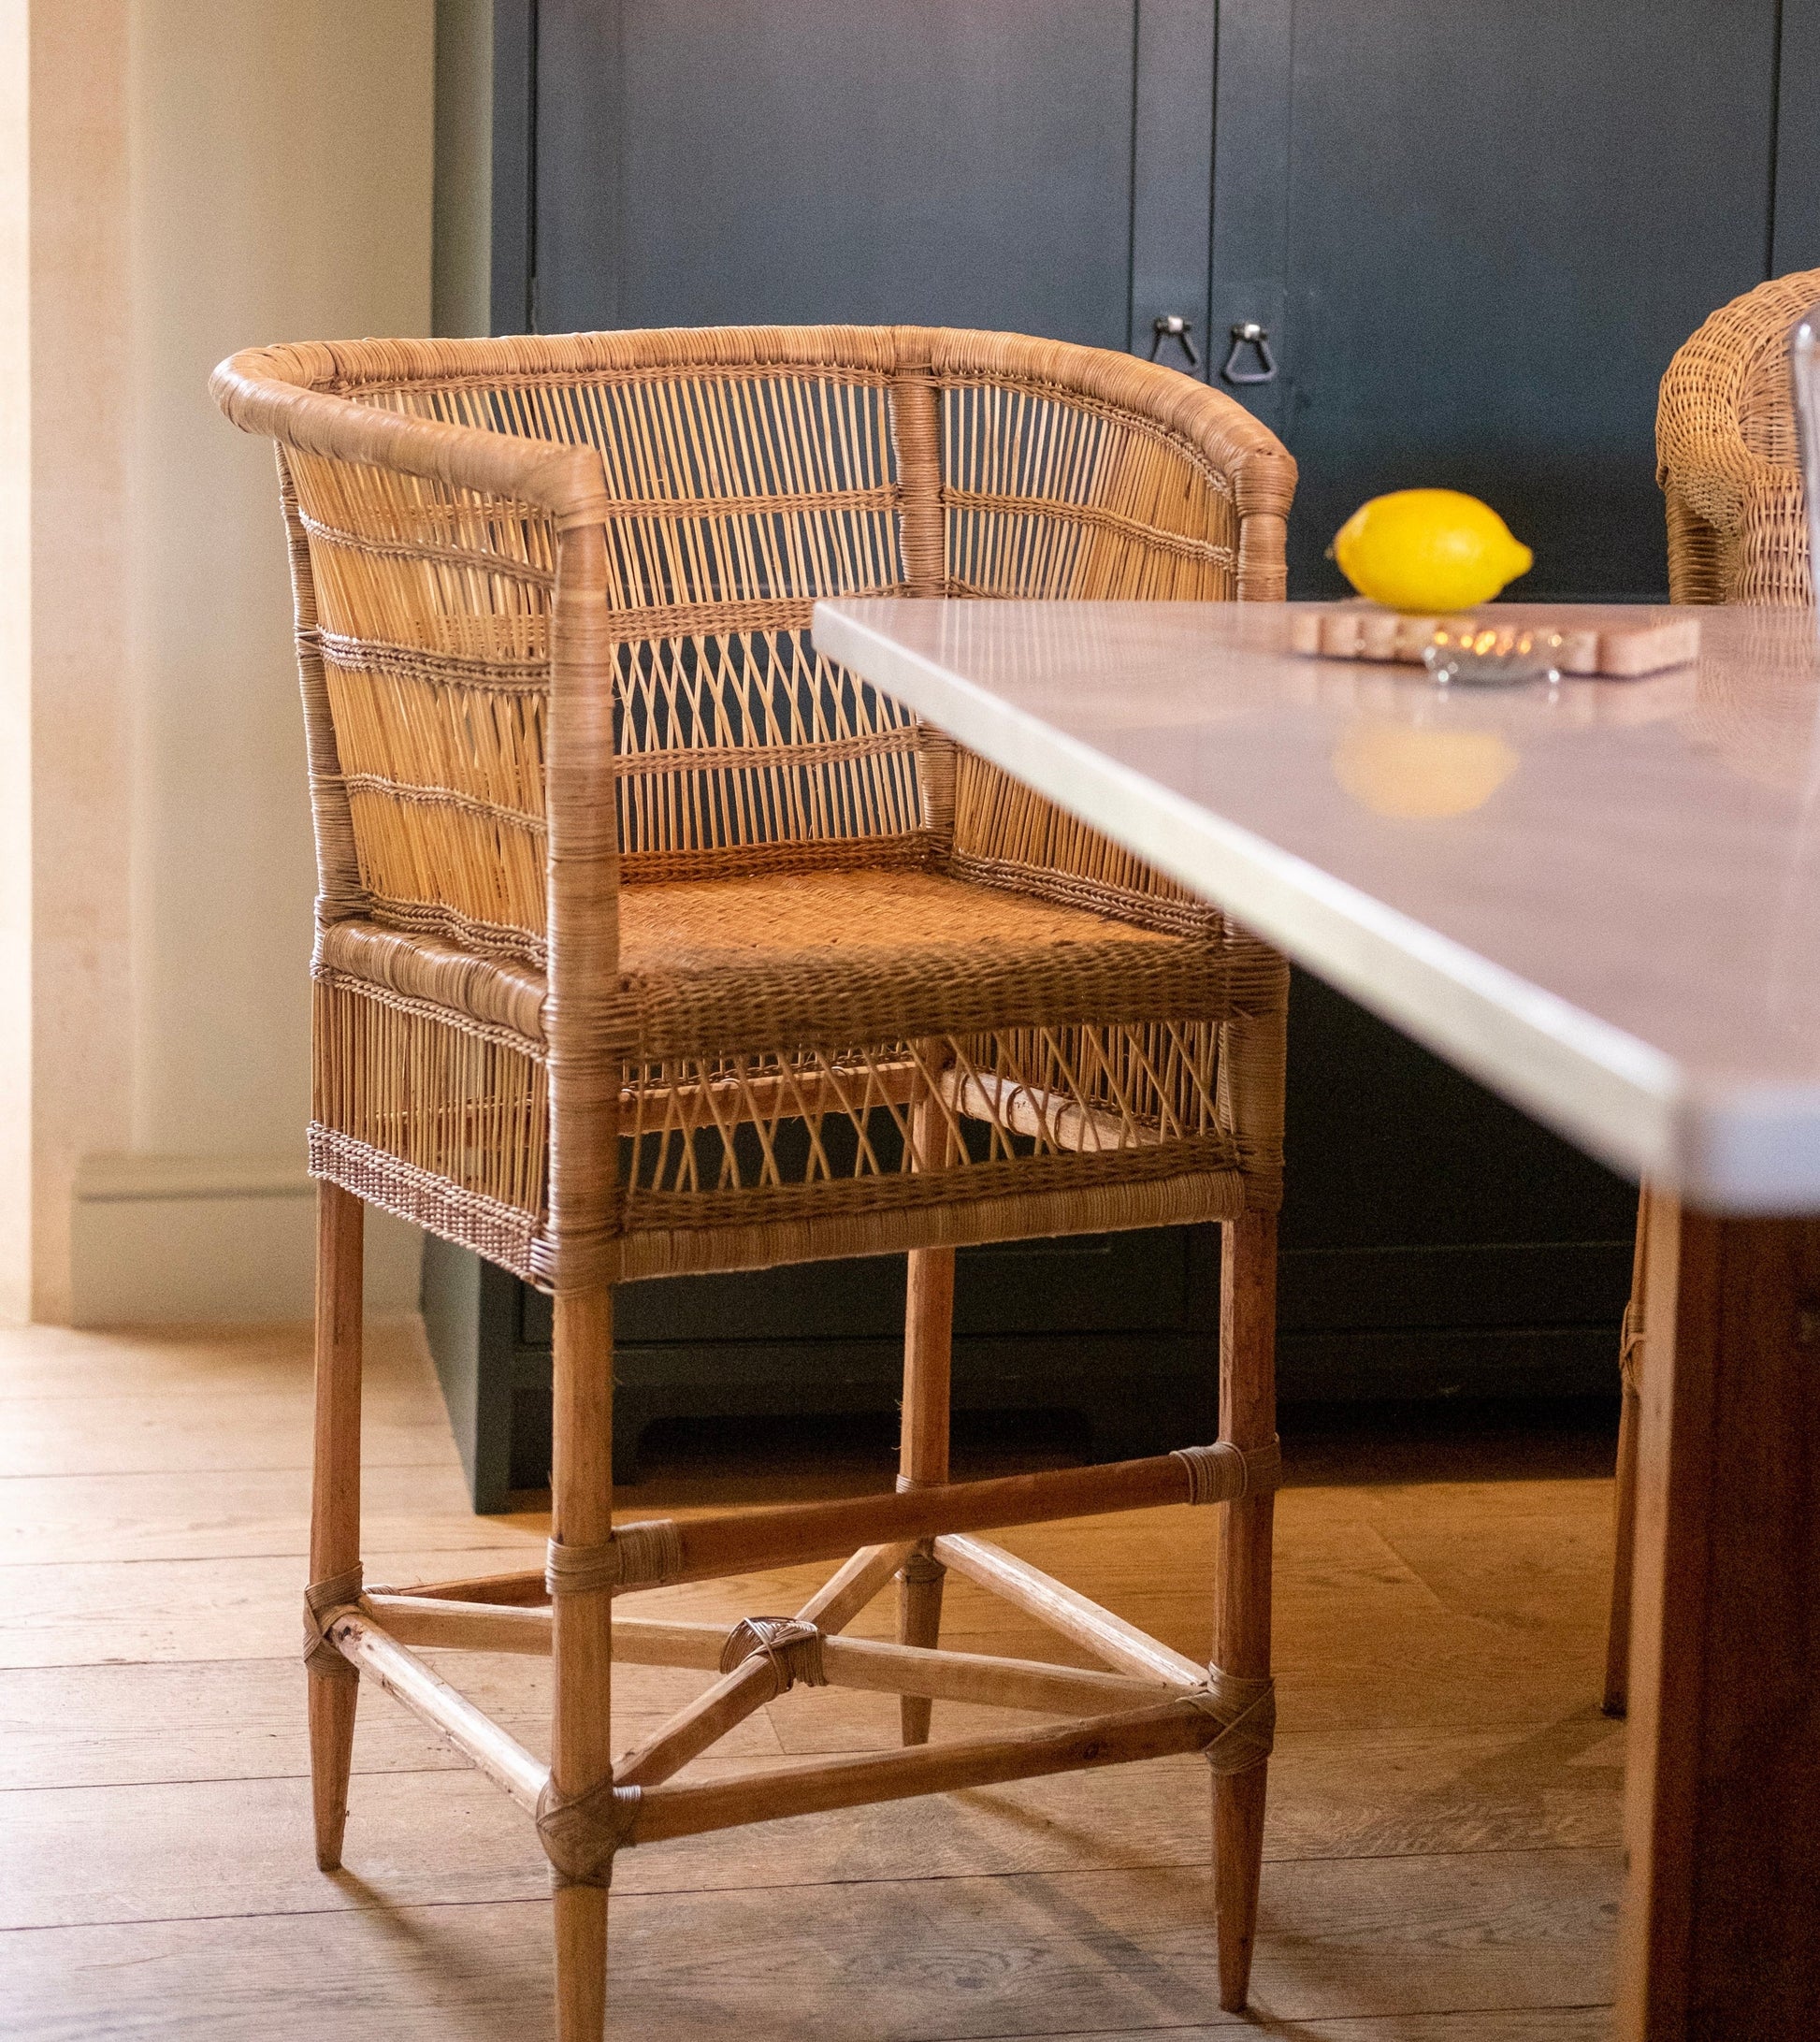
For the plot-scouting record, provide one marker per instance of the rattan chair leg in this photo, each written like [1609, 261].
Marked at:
[927, 1348]
[580, 1749]
[335, 1502]
[1248, 1416]
[1630, 1364]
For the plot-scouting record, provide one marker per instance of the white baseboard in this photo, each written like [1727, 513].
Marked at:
[177, 1240]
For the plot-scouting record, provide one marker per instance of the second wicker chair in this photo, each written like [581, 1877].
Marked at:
[649, 941]
[1728, 462]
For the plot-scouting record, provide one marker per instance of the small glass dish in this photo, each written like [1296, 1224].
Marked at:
[1476, 655]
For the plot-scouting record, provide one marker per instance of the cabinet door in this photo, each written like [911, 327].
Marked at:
[929, 161]
[1478, 229]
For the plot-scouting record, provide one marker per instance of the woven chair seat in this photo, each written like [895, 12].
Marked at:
[746, 964]
[710, 966]
[744, 923]
[774, 1035]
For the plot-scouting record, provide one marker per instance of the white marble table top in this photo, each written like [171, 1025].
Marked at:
[1602, 900]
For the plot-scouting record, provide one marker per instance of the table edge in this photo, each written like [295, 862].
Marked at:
[1739, 1148]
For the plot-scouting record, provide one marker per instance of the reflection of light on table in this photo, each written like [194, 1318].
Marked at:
[1755, 703]
[1396, 769]
[1532, 711]
[1795, 954]
[1756, 709]
[1794, 997]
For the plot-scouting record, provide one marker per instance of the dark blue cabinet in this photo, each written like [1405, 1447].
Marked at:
[1044, 168]
[1472, 235]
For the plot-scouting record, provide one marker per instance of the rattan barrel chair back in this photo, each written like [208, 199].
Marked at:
[1728, 460]
[650, 941]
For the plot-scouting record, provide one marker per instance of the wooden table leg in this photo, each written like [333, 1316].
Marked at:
[1722, 1923]
[1632, 1356]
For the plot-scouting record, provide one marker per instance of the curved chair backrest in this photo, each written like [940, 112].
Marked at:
[1727, 456]
[738, 474]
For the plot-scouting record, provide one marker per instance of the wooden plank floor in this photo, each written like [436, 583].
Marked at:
[1442, 1854]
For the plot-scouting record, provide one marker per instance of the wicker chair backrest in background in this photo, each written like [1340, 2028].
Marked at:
[485, 532]
[1727, 458]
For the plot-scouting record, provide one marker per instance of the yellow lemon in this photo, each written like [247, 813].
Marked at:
[1422, 550]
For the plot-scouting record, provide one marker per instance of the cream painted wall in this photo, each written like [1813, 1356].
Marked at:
[206, 174]
[81, 695]
[281, 190]
[15, 668]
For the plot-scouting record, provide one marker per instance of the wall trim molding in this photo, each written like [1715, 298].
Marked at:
[113, 1179]
[174, 1239]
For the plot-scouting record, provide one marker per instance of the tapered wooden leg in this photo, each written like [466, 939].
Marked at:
[1722, 1787]
[928, 1349]
[1623, 1538]
[1623, 1530]
[335, 1499]
[1248, 1416]
[581, 1921]
[331, 1756]
[581, 1746]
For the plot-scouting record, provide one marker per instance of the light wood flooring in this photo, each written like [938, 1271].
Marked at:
[1442, 1864]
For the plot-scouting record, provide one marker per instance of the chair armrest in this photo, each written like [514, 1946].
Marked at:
[270, 390]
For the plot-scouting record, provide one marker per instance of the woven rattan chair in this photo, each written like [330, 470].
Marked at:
[649, 941]
[1729, 464]
[1726, 454]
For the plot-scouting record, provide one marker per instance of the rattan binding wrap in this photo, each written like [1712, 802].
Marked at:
[648, 937]
[1246, 1711]
[1727, 458]
[320, 1600]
